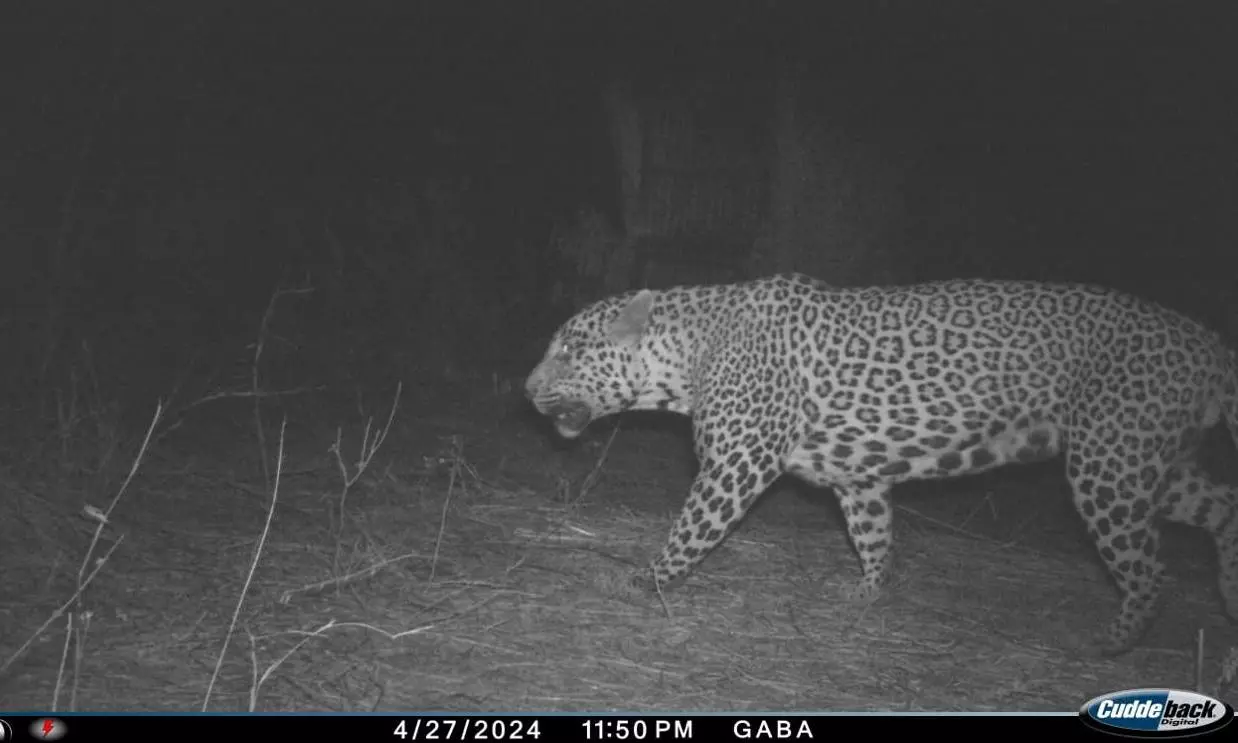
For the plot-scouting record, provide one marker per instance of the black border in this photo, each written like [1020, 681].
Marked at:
[557, 727]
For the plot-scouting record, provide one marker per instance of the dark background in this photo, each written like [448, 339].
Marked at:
[167, 165]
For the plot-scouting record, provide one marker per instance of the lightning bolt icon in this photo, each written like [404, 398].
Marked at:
[47, 727]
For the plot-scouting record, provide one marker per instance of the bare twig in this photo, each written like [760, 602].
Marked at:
[457, 456]
[255, 387]
[79, 652]
[259, 344]
[279, 466]
[61, 609]
[224, 394]
[253, 669]
[369, 447]
[307, 636]
[349, 578]
[104, 516]
[64, 655]
[592, 478]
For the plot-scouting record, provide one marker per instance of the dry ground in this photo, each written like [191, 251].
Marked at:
[481, 566]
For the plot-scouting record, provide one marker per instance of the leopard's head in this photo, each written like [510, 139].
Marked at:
[593, 366]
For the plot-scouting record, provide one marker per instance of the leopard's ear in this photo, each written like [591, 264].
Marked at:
[629, 326]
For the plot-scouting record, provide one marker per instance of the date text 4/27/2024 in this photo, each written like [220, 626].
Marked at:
[600, 728]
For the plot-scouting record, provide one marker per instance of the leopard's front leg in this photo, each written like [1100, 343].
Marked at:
[728, 483]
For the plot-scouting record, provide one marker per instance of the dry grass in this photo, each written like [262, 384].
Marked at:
[461, 574]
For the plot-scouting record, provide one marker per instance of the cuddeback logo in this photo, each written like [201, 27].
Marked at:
[1156, 713]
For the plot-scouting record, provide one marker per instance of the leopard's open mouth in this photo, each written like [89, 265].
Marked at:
[570, 416]
[571, 420]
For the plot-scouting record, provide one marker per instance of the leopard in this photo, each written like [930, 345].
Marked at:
[857, 389]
